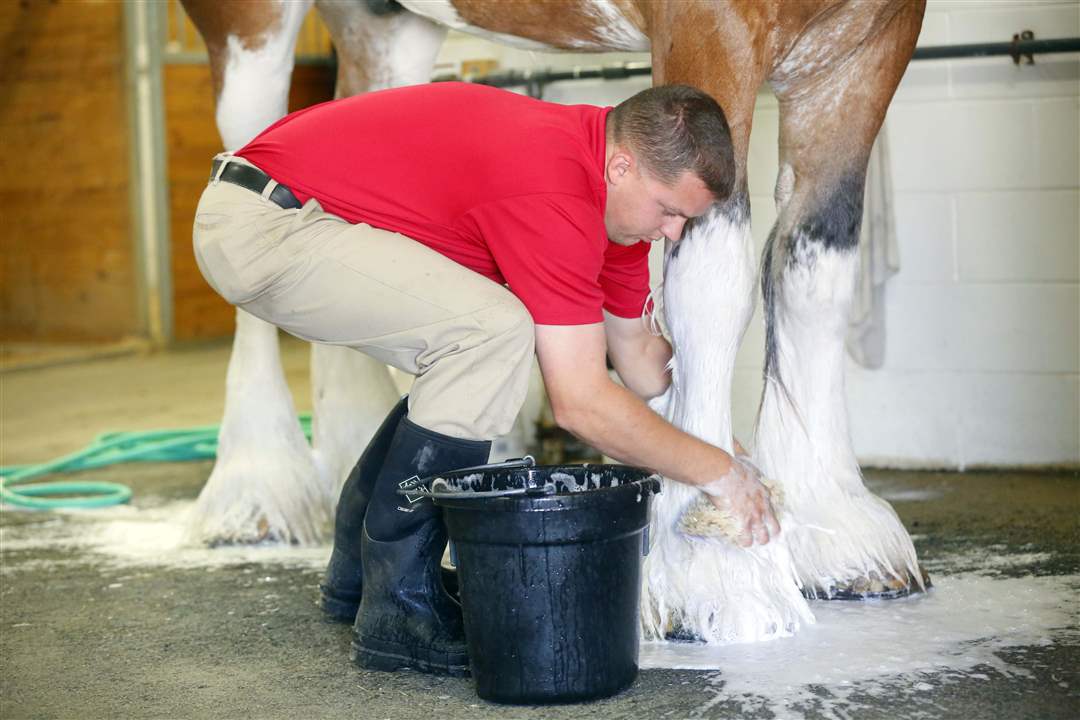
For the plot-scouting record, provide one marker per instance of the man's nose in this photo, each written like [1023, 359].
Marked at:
[672, 228]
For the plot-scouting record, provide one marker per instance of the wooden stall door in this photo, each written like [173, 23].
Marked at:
[67, 271]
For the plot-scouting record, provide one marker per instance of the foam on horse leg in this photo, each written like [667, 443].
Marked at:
[698, 589]
[845, 540]
[262, 486]
[708, 589]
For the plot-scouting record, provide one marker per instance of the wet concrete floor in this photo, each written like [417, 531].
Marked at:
[89, 630]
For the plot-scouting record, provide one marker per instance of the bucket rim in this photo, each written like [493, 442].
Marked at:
[426, 487]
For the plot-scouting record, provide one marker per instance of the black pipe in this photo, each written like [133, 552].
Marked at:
[1015, 49]
[535, 79]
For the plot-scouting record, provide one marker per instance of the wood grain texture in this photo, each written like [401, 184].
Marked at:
[66, 255]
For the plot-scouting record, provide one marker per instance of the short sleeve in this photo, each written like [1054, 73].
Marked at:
[624, 279]
[550, 250]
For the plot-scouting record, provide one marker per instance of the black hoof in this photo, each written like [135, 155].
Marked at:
[683, 635]
[872, 587]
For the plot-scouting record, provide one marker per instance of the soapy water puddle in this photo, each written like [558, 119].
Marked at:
[881, 650]
[978, 612]
[126, 536]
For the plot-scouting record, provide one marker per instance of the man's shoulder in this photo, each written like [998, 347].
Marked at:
[547, 212]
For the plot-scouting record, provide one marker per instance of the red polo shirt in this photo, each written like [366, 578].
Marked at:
[510, 187]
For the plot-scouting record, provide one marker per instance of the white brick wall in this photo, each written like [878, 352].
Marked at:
[984, 317]
[983, 348]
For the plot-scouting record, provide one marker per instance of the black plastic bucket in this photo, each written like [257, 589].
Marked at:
[549, 572]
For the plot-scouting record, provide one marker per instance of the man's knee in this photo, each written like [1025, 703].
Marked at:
[477, 387]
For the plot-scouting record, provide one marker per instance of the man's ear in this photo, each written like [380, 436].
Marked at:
[619, 166]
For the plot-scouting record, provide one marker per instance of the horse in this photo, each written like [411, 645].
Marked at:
[834, 66]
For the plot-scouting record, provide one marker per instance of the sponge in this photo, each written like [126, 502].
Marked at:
[704, 520]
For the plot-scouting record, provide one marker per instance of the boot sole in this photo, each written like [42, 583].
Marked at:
[371, 654]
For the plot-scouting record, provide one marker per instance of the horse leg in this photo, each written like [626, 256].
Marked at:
[263, 485]
[351, 392]
[381, 49]
[697, 589]
[846, 541]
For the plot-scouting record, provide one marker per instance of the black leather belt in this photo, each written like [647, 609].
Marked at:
[255, 180]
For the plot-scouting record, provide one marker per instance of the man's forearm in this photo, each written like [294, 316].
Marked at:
[621, 425]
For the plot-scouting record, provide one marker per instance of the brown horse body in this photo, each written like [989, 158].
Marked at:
[834, 66]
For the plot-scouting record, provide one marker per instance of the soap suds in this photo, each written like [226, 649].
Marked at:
[984, 601]
[127, 536]
[870, 649]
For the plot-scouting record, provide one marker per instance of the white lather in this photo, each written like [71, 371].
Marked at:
[711, 590]
[843, 532]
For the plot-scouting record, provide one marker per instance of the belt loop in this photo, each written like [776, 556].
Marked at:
[269, 189]
[225, 157]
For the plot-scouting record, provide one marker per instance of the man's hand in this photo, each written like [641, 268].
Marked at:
[618, 423]
[741, 493]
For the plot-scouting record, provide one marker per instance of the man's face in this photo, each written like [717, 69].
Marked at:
[640, 208]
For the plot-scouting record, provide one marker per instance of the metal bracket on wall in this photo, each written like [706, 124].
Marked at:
[1017, 54]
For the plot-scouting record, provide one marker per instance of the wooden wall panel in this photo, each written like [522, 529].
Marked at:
[191, 141]
[66, 255]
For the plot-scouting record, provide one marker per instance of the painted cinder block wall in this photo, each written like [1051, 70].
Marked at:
[982, 364]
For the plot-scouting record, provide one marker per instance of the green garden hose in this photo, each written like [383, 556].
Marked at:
[198, 443]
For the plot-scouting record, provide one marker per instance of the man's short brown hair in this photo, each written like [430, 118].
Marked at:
[677, 128]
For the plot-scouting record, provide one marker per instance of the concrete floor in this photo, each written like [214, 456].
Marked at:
[92, 631]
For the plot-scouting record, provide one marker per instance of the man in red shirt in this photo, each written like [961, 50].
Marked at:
[449, 230]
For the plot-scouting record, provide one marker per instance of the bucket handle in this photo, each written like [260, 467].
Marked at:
[418, 487]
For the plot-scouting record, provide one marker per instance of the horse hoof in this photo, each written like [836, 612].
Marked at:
[256, 534]
[869, 587]
[682, 634]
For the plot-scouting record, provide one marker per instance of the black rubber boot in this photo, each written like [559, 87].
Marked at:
[341, 587]
[406, 618]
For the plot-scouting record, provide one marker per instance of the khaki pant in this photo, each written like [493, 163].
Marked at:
[468, 340]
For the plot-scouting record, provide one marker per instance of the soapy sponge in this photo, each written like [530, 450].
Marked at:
[704, 520]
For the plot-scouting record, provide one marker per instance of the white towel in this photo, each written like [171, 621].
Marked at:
[879, 259]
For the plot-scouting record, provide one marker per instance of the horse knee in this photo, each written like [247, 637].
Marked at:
[808, 269]
[810, 258]
[834, 221]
